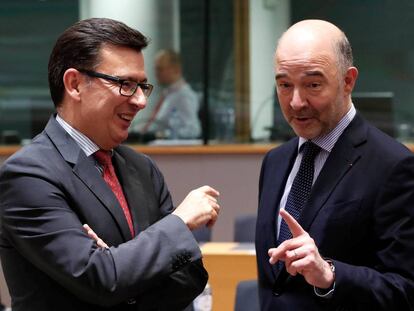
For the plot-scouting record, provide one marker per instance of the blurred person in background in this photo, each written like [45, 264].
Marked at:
[175, 114]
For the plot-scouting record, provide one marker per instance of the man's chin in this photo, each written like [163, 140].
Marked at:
[118, 140]
[307, 134]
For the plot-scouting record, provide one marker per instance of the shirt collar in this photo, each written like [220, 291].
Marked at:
[328, 141]
[84, 142]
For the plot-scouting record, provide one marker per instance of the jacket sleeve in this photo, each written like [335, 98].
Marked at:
[185, 284]
[389, 285]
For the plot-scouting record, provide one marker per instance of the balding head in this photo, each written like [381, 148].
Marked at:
[318, 37]
[314, 77]
[168, 67]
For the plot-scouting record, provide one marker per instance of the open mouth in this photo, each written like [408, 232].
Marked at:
[126, 117]
[303, 119]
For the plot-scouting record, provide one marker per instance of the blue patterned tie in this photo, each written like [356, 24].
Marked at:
[301, 187]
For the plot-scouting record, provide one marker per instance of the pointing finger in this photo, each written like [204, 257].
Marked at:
[293, 225]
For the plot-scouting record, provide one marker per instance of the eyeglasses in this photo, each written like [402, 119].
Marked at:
[126, 87]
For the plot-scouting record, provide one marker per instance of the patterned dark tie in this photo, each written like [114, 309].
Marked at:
[104, 159]
[301, 187]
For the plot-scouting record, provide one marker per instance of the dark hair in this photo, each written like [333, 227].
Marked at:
[343, 51]
[79, 46]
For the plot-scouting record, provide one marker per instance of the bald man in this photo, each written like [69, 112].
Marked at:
[335, 228]
[177, 100]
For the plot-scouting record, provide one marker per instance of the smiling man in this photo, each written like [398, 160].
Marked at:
[138, 252]
[335, 226]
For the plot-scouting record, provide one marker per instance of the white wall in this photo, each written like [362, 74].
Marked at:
[236, 176]
[268, 20]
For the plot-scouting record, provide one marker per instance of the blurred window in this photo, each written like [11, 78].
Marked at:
[226, 49]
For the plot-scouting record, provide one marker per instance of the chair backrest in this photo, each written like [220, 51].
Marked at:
[245, 228]
[247, 296]
[202, 234]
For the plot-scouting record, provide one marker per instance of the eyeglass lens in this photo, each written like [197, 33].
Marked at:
[128, 88]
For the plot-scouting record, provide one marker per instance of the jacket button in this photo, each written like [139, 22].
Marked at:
[131, 301]
[277, 289]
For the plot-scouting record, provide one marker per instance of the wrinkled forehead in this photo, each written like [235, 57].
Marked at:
[308, 61]
[302, 55]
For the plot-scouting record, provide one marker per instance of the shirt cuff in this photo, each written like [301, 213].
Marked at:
[324, 292]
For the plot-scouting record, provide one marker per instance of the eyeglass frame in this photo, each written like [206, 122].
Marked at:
[141, 85]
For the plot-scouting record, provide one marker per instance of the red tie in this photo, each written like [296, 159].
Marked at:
[104, 159]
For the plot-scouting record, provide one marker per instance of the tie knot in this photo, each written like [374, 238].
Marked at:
[103, 157]
[310, 150]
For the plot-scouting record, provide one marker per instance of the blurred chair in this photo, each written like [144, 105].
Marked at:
[247, 296]
[245, 228]
[202, 234]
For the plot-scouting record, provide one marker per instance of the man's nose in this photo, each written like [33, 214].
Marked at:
[138, 99]
[298, 100]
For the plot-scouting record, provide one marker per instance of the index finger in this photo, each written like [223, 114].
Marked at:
[210, 190]
[293, 225]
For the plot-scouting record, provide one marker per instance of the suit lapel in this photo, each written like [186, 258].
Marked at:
[84, 168]
[279, 172]
[134, 192]
[341, 160]
[86, 171]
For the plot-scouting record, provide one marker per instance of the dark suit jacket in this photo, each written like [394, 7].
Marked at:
[48, 190]
[360, 214]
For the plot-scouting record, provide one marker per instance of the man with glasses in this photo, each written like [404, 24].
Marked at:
[126, 87]
[86, 223]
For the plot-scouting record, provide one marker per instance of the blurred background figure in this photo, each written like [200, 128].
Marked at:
[175, 114]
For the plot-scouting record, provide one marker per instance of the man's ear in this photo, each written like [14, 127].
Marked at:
[351, 76]
[71, 80]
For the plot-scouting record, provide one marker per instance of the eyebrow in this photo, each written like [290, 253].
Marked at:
[129, 78]
[308, 73]
[280, 76]
[312, 73]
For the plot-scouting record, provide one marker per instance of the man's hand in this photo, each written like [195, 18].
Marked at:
[199, 208]
[94, 236]
[301, 255]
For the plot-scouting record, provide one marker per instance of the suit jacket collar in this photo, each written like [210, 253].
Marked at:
[277, 170]
[280, 166]
[84, 168]
[342, 159]
[63, 142]
[134, 191]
